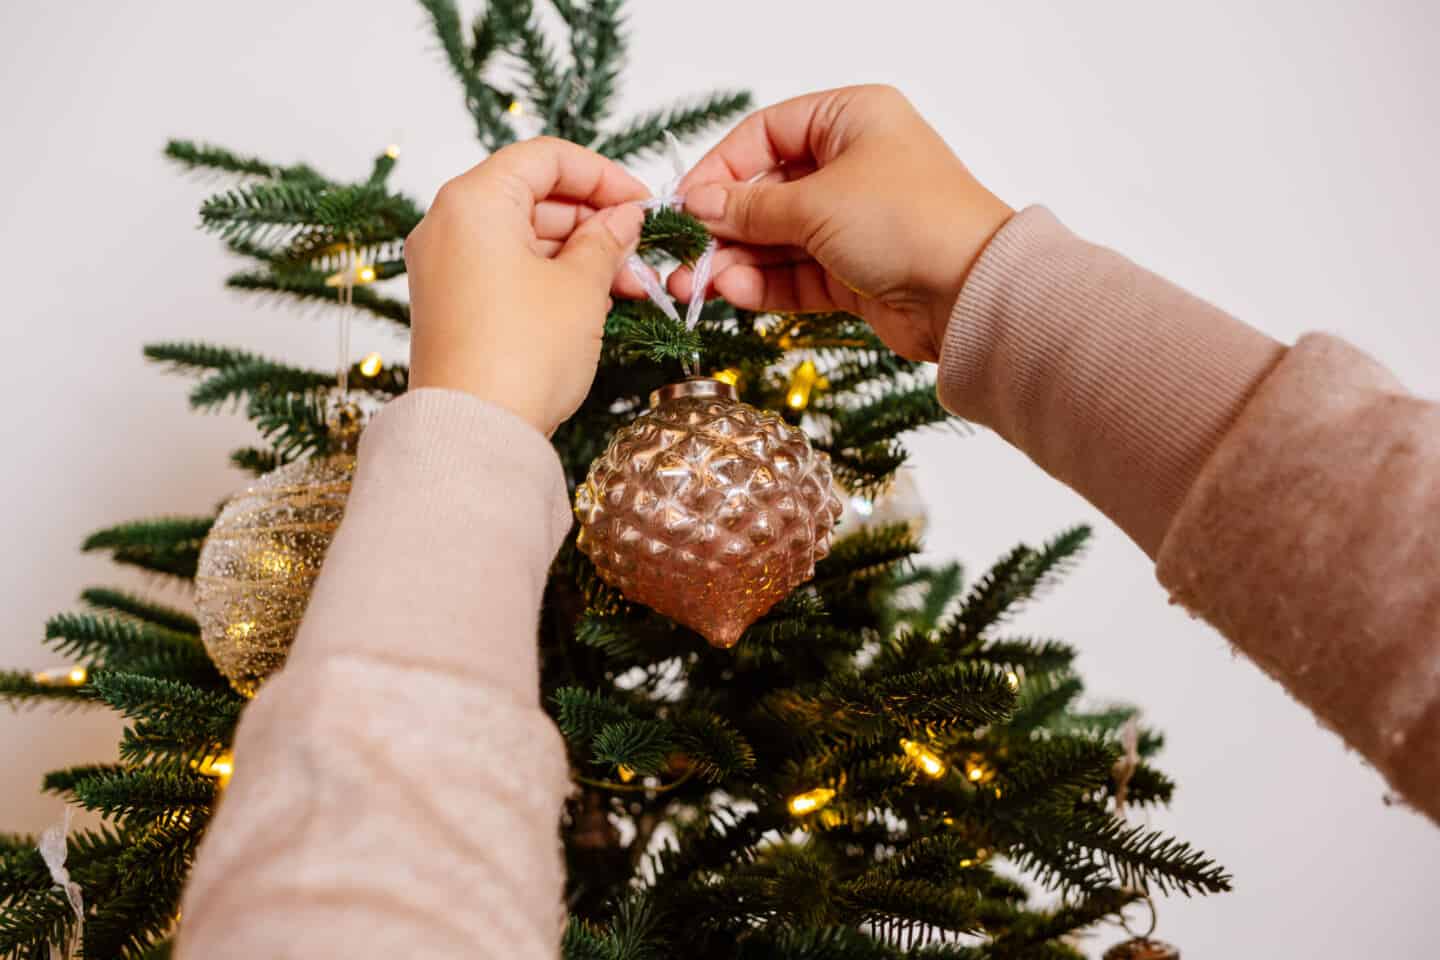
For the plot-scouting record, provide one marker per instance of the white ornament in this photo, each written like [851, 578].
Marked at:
[900, 502]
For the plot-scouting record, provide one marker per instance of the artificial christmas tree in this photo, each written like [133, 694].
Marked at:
[856, 777]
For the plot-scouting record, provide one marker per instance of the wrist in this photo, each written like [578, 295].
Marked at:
[980, 218]
[502, 388]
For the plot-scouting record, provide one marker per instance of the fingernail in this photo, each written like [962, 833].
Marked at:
[623, 222]
[707, 203]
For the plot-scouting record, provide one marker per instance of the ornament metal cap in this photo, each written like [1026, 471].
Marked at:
[694, 387]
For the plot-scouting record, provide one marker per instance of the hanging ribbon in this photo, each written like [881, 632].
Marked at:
[53, 850]
[670, 198]
[1124, 767]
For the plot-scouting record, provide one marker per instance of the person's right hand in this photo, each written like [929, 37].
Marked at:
[857, 204]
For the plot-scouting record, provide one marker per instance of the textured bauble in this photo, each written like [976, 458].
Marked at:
[261, 559]
[707, 510]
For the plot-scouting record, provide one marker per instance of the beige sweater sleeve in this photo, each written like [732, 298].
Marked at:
[1291, 497]
[397, 787]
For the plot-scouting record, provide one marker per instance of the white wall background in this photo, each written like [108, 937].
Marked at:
[1279, 158]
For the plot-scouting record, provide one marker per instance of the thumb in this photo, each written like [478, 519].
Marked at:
[768, 213]
[600, 245]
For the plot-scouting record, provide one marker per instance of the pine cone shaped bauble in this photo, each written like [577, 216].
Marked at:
[707, 510]
[259, 562]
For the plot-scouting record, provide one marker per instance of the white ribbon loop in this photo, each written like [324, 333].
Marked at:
[53, 850]
[669, 198]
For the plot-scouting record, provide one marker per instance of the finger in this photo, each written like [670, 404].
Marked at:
[547, 248]
[783, 133]
[767, 212]
[797, 288]
[681, 281]
[596, 250]
[626, 285]
[557, 219]
[547, 167]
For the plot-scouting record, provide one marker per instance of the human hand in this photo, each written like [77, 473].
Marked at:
[860, 206]
[510, 274]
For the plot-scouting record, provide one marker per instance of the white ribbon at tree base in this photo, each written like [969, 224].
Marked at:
[53, 850]
[668, 198]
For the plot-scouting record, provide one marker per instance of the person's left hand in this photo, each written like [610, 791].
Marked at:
[510, 275]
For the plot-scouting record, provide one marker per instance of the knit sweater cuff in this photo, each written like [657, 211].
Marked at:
[1113, 380]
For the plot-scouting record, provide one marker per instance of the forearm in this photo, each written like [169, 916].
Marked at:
[1290, 497]
[397, 786]
[1112, 379]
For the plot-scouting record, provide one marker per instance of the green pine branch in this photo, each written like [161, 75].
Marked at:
[674, 233]
[196, 357]
[865, 555]
[254, 460]
[1012, 582]
[1029, 656]
[640, 331]
[642, 745]
[310, 285]
[646, 132]
[483, 102]
[886, 417]
[20, 687]
[294, 424]
[168, 545]
[119, 601]
[171, 709]
[144, 796]
[120, 644]
[208, 157]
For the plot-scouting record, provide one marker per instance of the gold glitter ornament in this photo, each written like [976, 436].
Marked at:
[262, 556]
[707, 509]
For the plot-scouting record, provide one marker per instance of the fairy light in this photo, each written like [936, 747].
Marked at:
[358, 275]
[729, 375]
[62, 677]
[805, 379]
[626, 773]
[516, 108]
[371, 365]
[923, 758]
[221, 767]
[977, 770]
[810, 800]
[393, 151]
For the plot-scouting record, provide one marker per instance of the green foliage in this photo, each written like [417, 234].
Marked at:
[675, 233]
[870, 553]
[119, 601]
[295, 424]
[168, 545]
[131, 646]
[310, 285]
[19, 687]
[839, 689]
[646, 133]
[254, 460]
[209, 157]
[640, 330]
[1010, 583]
[885, 418]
